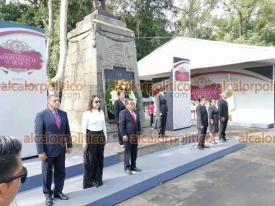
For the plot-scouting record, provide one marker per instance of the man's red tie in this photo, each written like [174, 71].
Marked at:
[134, 116]
[56, 119]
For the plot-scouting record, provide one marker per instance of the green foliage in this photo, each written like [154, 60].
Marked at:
[23, 13]
[108, 102]
[239, 21]
[196, 19]
[247, 21]
[150, 33]
[54, 47]
[139, 105]
[78, 9]
[148, 19]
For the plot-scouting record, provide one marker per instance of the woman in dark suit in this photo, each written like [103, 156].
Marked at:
[213, 114]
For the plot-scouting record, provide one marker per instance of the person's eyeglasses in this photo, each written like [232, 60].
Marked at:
[97, 102]
[23, 176]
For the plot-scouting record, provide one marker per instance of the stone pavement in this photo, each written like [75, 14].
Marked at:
[244, 178]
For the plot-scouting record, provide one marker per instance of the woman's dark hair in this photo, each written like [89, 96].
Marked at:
[90, 105]
[10, 148]
[200, 98]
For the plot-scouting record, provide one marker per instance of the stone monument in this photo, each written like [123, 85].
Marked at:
[101, 53]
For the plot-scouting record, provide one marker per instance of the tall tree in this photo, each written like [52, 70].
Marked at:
[247, 21]
[63, 41]
[149, 20]
[50, 31]
[196, 19]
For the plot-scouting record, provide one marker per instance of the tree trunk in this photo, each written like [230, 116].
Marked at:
[92, 5]
[63, 41]
[49, 37]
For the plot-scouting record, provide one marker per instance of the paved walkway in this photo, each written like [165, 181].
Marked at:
[243, 178]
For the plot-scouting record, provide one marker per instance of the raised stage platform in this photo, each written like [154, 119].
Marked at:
[157, 167]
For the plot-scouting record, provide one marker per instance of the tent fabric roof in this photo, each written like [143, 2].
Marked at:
[202, 54]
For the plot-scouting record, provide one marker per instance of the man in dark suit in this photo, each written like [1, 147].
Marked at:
[223, 111]
[53, 140]
[119, 105]
[202, 122]
[162, 109]
[129, 125]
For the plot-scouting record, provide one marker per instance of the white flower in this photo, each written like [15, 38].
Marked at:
[113, 96]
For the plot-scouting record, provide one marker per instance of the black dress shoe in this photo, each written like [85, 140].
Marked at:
[200, 147]
[49, 201]
[222, 139]
[89, 186]
[99, 183]
[61, 196]
[128, 172]
[136, 170]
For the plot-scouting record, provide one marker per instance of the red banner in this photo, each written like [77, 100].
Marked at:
[209, 92]
[25, 60]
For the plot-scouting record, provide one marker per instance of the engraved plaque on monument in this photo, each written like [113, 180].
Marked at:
[118, 79]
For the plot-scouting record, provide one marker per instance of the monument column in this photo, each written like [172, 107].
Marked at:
[101, 52]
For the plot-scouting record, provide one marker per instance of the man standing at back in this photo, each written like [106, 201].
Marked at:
[162, 109]
[119, 105]
[202, 122]
[53, 140]
[223, 111]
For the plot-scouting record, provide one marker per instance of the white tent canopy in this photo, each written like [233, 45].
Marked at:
[202, 54]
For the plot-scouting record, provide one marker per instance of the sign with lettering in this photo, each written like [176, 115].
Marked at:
[23, 82]
[24, 60]
[209, 92]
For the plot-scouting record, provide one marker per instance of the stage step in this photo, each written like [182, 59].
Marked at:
[74, 167]
[157, 167]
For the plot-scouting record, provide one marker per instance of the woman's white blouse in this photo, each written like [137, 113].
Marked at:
[93, 121]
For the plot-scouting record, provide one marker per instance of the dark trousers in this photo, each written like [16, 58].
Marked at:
[223, 125]
[119, 136]
[151, 119]
[58, 165]
[162, 124]
[130, 153]
[202, 135]
[93, 158]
